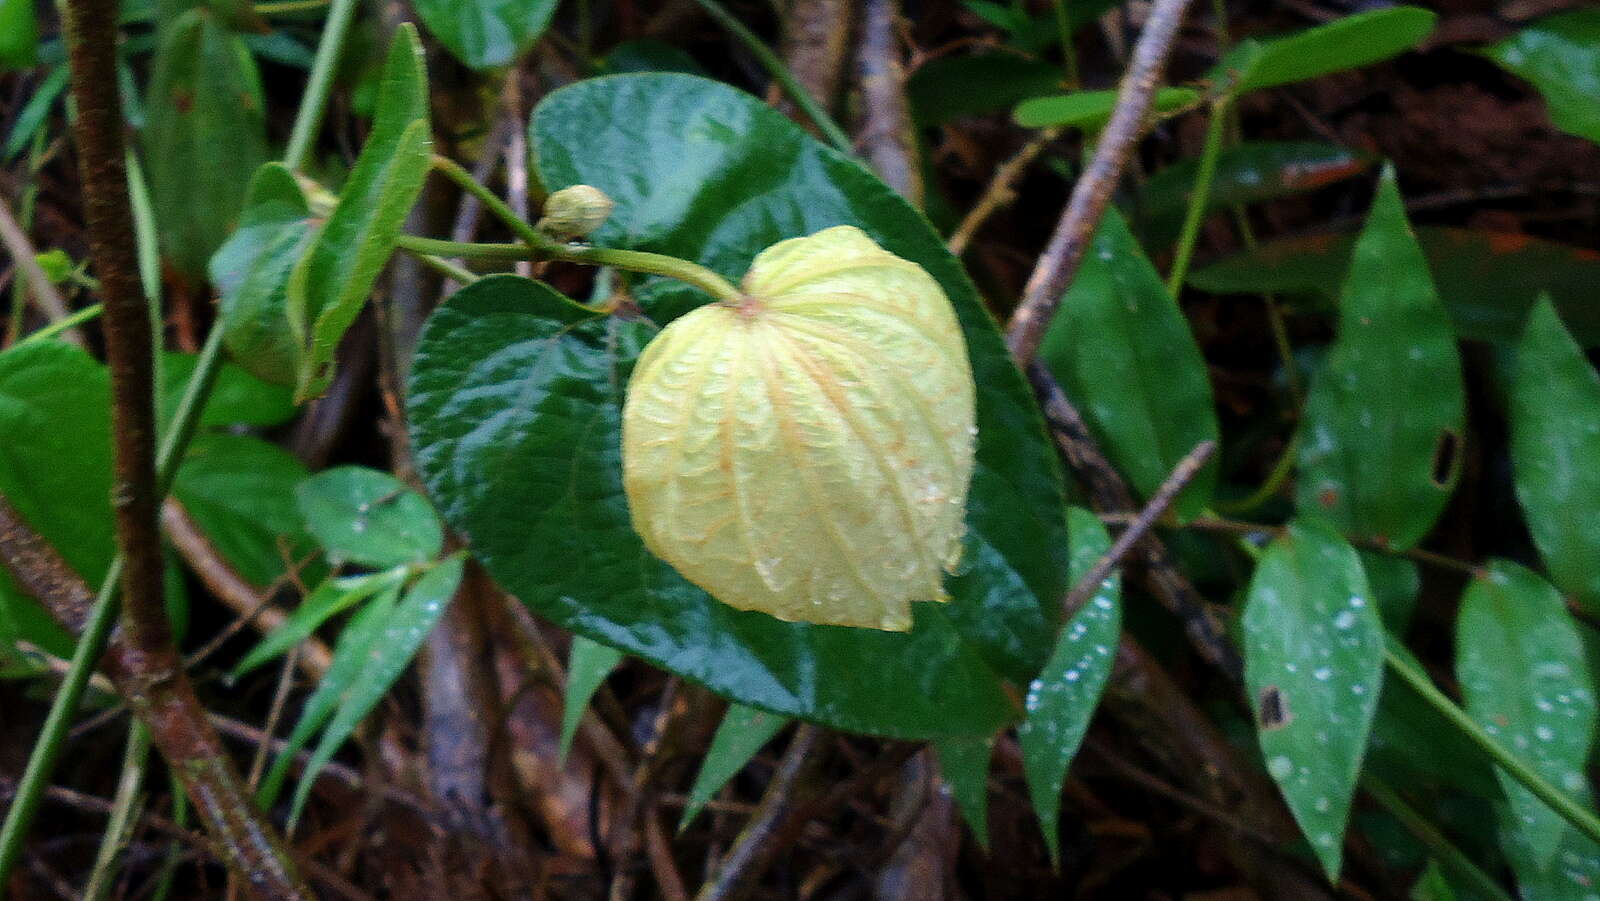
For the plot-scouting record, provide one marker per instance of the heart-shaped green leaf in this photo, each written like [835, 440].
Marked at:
[485, 33]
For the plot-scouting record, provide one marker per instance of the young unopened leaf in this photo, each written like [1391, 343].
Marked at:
[1384, 421]
[1560, 54]
[1555, 444]
[1347, 43]
[329, 285]
[206, 135]
[1525, 679]
[1062, 701]
[588, 664]
[744, 731]
[485, 33]
[1313, 654]
[964, 766]
[388, 651]
[368, 517]
[1123, 352]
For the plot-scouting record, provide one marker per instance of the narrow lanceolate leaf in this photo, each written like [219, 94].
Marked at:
[1313, 651]
[485, 33]
[1062, 700]
[1089, 110]
[251, 274]
[368, 517]
[1123, 352]
[1555, 444]
[1385, 417]
[1561, 56]
[964, 766]
[744, 731]
[1524, 677]
[329, 599]
[329, 285]
[588, 665]
[206, 135]
[1348, 43]
[396, 640]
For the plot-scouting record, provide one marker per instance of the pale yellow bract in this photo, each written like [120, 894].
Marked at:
[806, 453]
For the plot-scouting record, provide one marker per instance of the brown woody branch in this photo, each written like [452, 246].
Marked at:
[885, 137]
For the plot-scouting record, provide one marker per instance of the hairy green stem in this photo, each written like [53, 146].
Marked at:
[55, 329]
[1199, 198]
[781, 73]
[1571, 811]
[124, 812]
[315, 99]
[1069, 53]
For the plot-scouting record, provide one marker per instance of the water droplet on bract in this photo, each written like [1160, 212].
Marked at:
[358, 526]
[1357, 600]
[1322, 805]
[1280, 767]
[1544, 733]
[1344, 620]
[1071, 675]
[1322, 674]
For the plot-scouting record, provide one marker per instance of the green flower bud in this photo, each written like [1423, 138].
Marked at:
[806, 452]
[575, 212]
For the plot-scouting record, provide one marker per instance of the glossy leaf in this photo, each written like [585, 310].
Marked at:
[19, 34]
[1313, 653]
[237, 397]
[1560, 54]
[964, 766]
[515, 410]
[1122, 351]
[1252, 172]
[327, 600]
[388, 652]
[55, 468]
[588, 665]
[949, 88]
[206, 135]
[251, 274]
[1525, 679]
[485, 34]
[1571, 870]
[1555, 442]
[1062, 701]
[1487, 280]
[1089, 110]
[743, 732]
[240, 490]
[1385, 416]
[1347, 43]
[329, 285]
[368, 517]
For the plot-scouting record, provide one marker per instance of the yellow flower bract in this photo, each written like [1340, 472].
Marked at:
[806, 453]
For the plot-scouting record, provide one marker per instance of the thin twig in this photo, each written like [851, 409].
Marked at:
[1059, 263]
[40, 288]
[1181, 475]
[774, 823]
[1000, 192]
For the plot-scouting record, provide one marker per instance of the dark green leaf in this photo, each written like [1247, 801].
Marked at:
[1414, 745]
[388, 654]
[251, 274]
[19, 34]
[1487, 280]
[1062, 700]
[515, 410]
[1123, 352]
[55, 468]
[1560, 54]
[32, 116]
[1252, 172]
[1395, 584]
[588, 664]
[1313, 653]
[237, 398]
[1385, 416]
[705, 172]
[1348, 43]
[240, 491]
[485, 33]
[744, 731]
[957, 87]
[1525, 679]
[206, 135]
[1555, 443]
[964, 765]
[368, 517]
[329, 285]
[1035, 33]
[1572, 870]
[646, 55]
[1089, 110]
[332, 597]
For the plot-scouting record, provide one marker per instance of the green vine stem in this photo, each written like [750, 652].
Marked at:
[541, 247]
[315, 99]
[1199, 196]
[124, 812]
[55, 329]
[780, 72]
